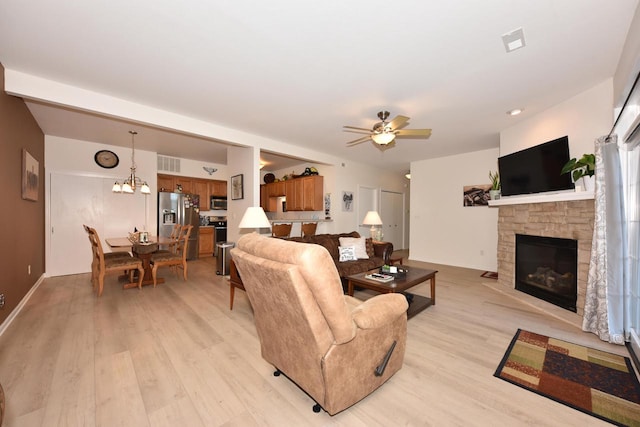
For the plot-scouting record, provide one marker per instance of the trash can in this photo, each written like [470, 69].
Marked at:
[224, 258]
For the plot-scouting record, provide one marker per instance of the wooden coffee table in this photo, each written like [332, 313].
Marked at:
[414, 277]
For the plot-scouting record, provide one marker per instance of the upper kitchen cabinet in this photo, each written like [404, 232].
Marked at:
[201, 188]
[204, 188]
[302, 194]
[166, 183]
[218, 188]
[312, 193]
[185, 183]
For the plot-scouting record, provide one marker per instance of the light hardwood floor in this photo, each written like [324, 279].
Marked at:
[177, 356]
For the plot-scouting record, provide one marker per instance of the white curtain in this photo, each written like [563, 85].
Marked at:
[608, 303]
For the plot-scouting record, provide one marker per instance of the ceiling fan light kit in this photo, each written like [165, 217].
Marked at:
[384, 133]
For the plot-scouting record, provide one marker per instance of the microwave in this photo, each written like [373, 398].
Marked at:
[218, 203]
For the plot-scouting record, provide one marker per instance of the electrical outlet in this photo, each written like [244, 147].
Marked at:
[1, 300]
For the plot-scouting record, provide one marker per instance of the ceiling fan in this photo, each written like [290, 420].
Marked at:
[384, 133]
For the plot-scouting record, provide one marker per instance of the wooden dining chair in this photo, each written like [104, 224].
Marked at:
[107, 255]
[281, 230]
[177, 260]
[175, 236]
[113, 264]
[308, 229]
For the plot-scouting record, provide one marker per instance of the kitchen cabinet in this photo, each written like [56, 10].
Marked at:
[204, 188]
[276, 189]
[218, 188]
[201, 188]
[205, 241]
[185, 182]
[293, 192]
[166, 183]
[312, 193]
[302, 194]
[267, 203]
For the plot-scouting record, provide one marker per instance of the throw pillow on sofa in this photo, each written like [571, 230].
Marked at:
[347, 253]
[359, 243]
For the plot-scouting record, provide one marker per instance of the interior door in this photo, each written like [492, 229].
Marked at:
[74, 201]
[391, 213]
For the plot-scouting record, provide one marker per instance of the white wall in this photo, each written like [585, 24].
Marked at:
[443, 231]
[583, 118]
[193, 168]
[75, 157]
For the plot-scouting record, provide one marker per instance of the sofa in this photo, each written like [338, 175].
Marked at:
[379, 252]
[336, 348]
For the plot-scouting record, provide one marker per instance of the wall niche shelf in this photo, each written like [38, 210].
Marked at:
[542, 198]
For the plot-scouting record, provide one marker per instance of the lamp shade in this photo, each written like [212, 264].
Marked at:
[254, 217]
[383, 138]
[372, 218]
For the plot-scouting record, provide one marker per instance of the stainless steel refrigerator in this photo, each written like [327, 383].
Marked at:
[179, 208]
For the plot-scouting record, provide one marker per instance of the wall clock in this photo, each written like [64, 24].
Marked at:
[106, 159]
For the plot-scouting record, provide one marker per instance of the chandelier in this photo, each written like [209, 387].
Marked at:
[132, 181]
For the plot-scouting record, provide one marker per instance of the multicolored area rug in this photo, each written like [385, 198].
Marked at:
[592, 381]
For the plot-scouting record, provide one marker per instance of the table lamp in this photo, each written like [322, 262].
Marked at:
[254, 217]
[372, 218]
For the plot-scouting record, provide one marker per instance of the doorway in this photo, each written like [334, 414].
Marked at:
[392, 214]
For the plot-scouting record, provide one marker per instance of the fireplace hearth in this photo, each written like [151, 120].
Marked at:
[547, 268]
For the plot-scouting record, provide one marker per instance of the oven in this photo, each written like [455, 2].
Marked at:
[219, 232]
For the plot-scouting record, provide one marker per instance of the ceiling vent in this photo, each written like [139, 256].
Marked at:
[168, 164]
[513, 40]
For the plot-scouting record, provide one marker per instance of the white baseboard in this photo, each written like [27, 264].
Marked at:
[16, 311]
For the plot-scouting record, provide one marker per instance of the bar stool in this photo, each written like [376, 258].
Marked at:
[308, 229]
[281, 230]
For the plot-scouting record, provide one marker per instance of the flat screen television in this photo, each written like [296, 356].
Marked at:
[536, 169]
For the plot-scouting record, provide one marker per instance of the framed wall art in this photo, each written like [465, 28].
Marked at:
[347, 201]
[30, 176]
[237, 187]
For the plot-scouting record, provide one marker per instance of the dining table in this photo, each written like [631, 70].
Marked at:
[143, 251]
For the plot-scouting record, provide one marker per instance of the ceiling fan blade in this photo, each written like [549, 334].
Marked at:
[354, 127]
[358, 141]
[418, 133]
[357, 131]
[398, 122]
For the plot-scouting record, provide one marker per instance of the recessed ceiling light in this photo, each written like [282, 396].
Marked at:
[515, 111]
[513, 40]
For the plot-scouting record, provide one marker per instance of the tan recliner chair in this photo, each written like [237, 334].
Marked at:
[337, 348]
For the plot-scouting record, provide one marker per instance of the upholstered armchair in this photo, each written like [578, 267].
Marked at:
[337, 348]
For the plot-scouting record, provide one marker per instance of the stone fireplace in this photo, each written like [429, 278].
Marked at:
[565, 219]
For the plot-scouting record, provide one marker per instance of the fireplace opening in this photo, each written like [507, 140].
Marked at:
[547, 268]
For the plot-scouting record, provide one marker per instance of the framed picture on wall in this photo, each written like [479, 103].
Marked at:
[347, 201]
[237, 187]
[30, 176]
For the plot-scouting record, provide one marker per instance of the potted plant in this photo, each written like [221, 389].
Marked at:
[494, 192]
[584, 168]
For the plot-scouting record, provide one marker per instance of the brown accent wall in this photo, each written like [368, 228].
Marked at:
[21, 221]
[568, 220]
